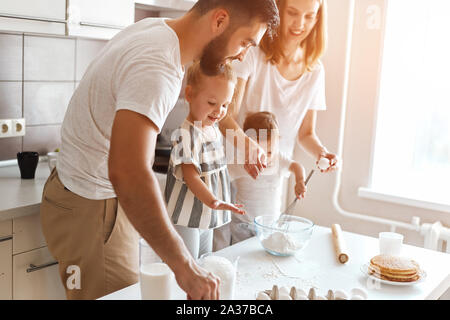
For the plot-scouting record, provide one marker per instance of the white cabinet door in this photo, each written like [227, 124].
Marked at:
[27, 233]
[36, 277]
[99, 18]
[46, 9]
[6, 268]
[5, 228]
[157, 5]
[43, 16]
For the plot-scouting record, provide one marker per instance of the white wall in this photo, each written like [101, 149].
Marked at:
[360, 121]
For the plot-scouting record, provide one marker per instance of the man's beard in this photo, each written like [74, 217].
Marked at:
[212, 60]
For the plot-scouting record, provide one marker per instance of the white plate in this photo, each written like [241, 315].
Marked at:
[422, 276]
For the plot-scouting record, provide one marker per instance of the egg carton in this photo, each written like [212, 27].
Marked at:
[283, 293]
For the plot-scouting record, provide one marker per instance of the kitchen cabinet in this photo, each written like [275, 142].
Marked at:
[165, 5]
[35, 272]
[27, 234]
[27, 269]
[6, 268]
[162, 8]
[100, 19]
[5, 228]
[43, 16]
[35, 276]
[6, 260]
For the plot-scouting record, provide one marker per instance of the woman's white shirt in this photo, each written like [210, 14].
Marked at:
[268, 90]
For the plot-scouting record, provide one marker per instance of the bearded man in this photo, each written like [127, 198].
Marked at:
[103, 188]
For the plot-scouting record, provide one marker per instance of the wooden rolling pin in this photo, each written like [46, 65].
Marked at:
[339, 243]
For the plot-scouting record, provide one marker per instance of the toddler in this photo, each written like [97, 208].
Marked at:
[263, 195]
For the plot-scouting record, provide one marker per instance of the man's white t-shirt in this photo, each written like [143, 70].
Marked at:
[268, 90]
[139, 70]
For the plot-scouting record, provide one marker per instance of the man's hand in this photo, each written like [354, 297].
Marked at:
[198, 283]
[255, 159]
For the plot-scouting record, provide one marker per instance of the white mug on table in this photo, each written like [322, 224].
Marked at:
[52, 158]
[390, 243]
[157, 281]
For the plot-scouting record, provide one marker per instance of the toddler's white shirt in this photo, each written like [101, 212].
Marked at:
[263, 195]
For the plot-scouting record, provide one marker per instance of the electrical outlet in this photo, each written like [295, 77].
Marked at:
[5, 128]
[12, 128]
[18, 127]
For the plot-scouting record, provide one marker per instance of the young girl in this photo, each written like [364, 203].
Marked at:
[197, 189]
[263, 195]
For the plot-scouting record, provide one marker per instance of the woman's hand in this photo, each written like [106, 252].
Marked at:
[333, 159]
[221, 205]
[255, 159]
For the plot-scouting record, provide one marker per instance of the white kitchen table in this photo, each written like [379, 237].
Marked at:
[316, 266]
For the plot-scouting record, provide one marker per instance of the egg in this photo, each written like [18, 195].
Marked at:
[274, 295]
[340, 295]
[302, 297]
[262, 296]
[330, 295]
[357, 297]
[323, 164]
[312, 294]
[301, 292]
[320, 298]
[284, 290]
[360, 292]
[283, 296]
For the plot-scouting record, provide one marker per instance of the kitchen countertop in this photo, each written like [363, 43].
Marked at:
[21, 197]
[316, 266]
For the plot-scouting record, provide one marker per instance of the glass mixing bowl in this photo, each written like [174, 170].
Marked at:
[285, 236]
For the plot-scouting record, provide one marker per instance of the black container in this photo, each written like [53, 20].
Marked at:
[162, 158]
[28, 162]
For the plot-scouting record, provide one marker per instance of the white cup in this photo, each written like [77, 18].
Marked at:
[157, 281]
[390, 243]
[52, 158]
[218, 266]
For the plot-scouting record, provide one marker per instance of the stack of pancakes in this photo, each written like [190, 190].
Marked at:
[393, 268]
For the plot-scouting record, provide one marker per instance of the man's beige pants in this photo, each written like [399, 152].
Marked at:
[94, 243]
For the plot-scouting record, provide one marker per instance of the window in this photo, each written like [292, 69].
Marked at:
[412, 144]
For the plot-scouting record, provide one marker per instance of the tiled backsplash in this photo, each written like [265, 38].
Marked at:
[38, 75]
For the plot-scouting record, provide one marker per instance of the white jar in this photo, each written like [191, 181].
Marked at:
[224, 270]
[157, 281]
[390, 243]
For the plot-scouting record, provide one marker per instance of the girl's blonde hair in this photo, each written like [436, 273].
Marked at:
[314, 44]
[195, 74]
